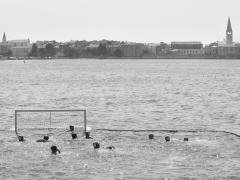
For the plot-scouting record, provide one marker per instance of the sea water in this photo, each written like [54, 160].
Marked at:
[125, 94]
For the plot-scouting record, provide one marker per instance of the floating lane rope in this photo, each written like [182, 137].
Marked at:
[169, 130]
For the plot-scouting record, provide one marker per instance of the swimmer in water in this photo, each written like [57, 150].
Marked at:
[71, 128]
[74, 136]
[55, 150]
[45, 139]
[87, 135]
[110, 147]
[167, 139]
[96, 145]
[21, 138]
[150, 136]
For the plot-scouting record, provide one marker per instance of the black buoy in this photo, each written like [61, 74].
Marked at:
[20, 138]
[71, 128]
[96, 145]
[185, 139]
[55, 150]
[87, 135]
[74, 136]
[167, 138]
[110, 147]
[46, 138]
[150, 136]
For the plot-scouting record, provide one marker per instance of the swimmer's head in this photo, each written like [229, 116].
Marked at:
[110, 147]
[20, 138]
[96, 145]
[71, 128]
[55, 150]
[74, 136]
[46, 138]
[150, 136]
[185, 139]
[167, 138]
[87, 135]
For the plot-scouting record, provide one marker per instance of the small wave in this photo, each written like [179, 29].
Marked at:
[203, 142]
[109, 103]
[153, 101]
[35, 84]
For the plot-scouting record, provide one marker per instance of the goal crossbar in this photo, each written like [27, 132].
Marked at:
[50, 111]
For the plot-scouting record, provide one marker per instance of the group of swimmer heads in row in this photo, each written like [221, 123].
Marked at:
[167, 138]
[96, 145]
[55, 150]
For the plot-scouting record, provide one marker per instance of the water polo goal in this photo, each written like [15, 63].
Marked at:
[49, 119]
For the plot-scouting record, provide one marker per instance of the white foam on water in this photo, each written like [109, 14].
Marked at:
[203, 142]
[12, 129]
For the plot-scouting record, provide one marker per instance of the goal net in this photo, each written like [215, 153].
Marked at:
[45, 121]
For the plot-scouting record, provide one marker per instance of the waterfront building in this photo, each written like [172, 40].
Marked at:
[15, 48]
[188, 49]
[20, 48]
[60, 50]
[92, 50]
[92, 47]
[4, 46]
[162, 49]
[229, 33]
[228, 49]
[151, 49]
[132, 49]
[114, 50]
[4, 39]
[211, 50]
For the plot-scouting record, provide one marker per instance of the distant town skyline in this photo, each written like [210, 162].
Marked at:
[126, 20]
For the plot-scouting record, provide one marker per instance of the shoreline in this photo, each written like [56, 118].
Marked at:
[125, 58]
[119, 58]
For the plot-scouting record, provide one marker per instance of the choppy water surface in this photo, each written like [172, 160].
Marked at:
[125, 94]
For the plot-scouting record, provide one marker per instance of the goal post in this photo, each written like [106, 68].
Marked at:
[50, 112]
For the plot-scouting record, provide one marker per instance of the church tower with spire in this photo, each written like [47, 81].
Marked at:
[229, 33]
[4, 39]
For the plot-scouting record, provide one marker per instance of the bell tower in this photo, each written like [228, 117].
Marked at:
[4, 39]
[229, 33]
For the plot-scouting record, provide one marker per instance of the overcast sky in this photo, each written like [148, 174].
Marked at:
[124, 20]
